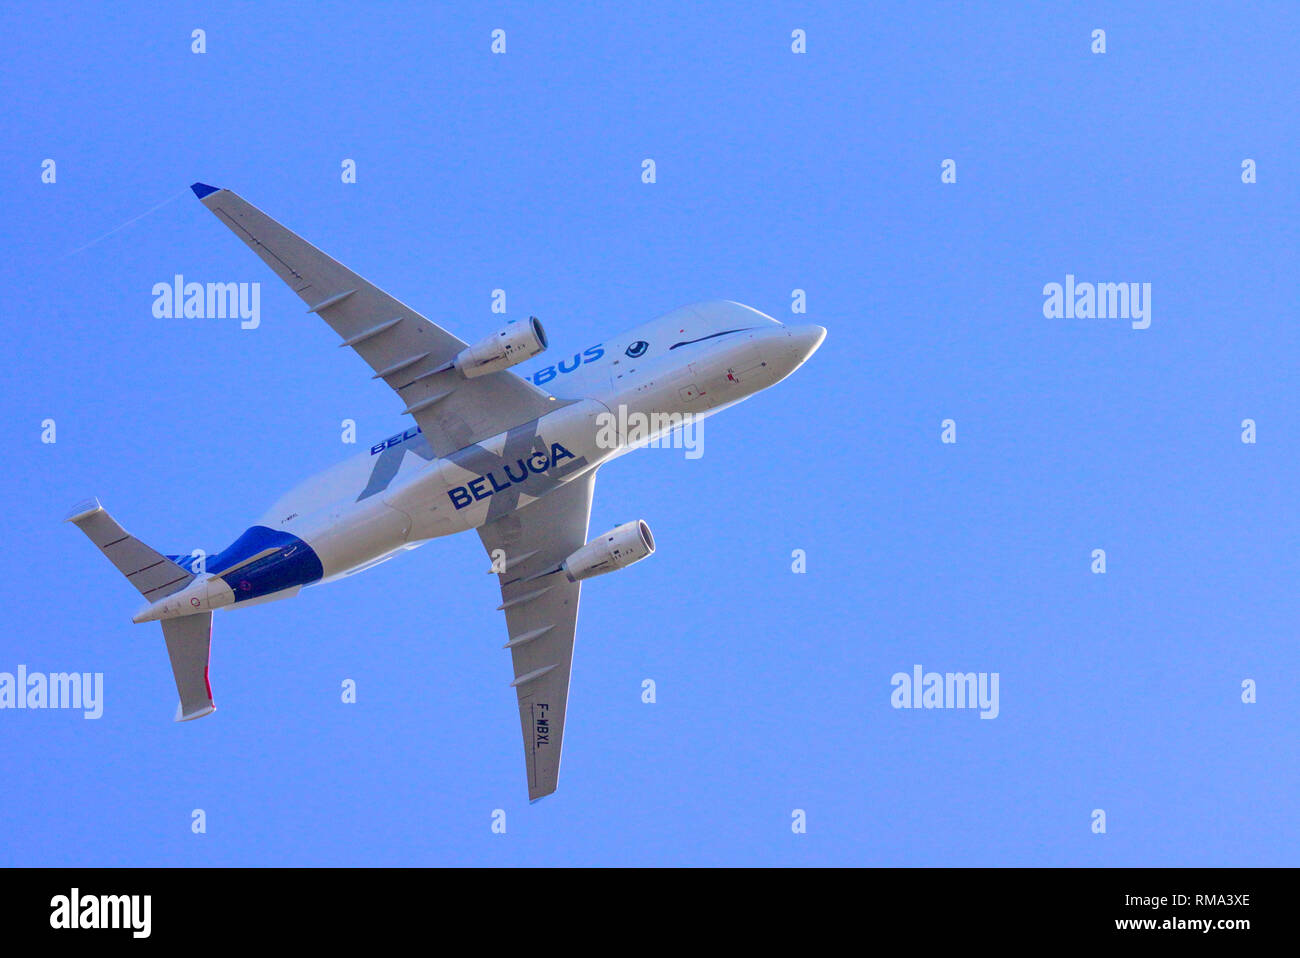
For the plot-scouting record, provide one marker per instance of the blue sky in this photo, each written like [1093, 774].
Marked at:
[775, 171]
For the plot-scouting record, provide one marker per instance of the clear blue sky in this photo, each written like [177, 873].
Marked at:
[776, 171]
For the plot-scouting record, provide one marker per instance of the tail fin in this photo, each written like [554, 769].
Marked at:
[189, 637]
[189, 643]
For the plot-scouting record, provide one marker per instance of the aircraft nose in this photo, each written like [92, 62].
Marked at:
[786, 348]
[807, 339]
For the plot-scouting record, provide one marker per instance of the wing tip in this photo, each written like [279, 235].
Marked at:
[83, 510]
[202, 189]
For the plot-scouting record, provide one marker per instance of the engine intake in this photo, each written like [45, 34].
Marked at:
[616, 549]
[501, 350]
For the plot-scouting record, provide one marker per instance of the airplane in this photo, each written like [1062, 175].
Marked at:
[489, 450]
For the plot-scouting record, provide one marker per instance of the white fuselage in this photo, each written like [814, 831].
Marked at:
[420, 505]
[366, 510]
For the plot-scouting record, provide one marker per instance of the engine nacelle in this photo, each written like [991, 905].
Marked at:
[501, 350]
[616, 549]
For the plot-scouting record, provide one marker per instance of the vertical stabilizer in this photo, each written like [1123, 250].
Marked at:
[189, 637]
[189, 641]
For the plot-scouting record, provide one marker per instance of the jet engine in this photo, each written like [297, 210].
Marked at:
[501, 350]
[616, 549]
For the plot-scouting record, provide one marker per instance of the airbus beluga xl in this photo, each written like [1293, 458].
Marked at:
[513, 458]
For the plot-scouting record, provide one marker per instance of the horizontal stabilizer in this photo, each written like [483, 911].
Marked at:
[153, 575]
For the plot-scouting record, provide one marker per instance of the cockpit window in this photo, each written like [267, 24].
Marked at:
[687, 342]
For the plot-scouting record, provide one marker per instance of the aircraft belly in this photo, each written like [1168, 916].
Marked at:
[354, 535]
[503, 473]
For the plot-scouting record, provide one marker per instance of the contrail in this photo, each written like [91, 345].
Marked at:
[129, 222]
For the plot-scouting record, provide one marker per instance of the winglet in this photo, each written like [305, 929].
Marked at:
[202, 189]
[83, 510]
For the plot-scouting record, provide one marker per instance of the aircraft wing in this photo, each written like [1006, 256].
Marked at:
[402, 347]
[541, 615]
